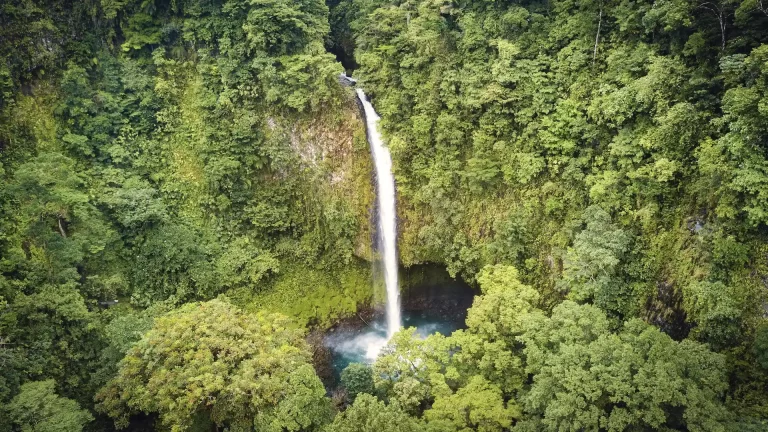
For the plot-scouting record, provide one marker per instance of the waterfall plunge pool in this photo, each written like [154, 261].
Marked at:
[431, 301]
[425, 299]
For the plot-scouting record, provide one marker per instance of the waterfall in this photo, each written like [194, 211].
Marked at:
[387, 216]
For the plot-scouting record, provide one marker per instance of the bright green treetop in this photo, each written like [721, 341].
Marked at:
[564, 371]
[478, 406]
[37, 408]
[357, 378]
[369, 414]
[240, 371]
[588, 378]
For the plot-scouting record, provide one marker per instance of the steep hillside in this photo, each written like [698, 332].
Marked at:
[162, 153]
[614, 152]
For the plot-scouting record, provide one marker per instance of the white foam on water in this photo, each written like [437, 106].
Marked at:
[366, 345]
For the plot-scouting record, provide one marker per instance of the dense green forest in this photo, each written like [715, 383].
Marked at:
[186, 191]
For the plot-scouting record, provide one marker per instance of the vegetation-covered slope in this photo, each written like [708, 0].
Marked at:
[164, 152]
[613, 151]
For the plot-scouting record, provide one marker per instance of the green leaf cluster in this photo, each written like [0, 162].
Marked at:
[239, 371]
[517, 365]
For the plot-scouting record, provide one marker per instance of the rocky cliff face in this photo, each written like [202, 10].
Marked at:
[333, 151]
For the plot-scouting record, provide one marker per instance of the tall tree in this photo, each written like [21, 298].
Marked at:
[369, 414]
[586, 377]
[212, 360]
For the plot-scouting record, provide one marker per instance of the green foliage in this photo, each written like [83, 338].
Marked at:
[153, 153]
[590, 266]
[135, 204]
[588, 378]
[357, 378]
[241, 371]
[37, 408]
[122, 331]
[743, 170]
[341, 40]
[512, 123]
[477, 406]
[564, 371]
[408, 369]
[172, 262]
[32, 43]
[613, 152]
[716, 312]
[610, 153]
[369, 414]
[51, 210]
[282, 27]
[494, 322]
[761, 345]
[312, 296]
[141, 30]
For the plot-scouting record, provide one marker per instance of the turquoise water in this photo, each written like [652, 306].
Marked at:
[431, 308]
[361, 346]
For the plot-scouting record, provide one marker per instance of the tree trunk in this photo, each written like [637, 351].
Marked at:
[597, 36]
[61, 229]
[721, 16]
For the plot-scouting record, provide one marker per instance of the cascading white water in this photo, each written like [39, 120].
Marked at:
[387, 217]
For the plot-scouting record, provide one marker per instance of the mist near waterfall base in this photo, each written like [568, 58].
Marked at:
[438, 304]
[363, 345]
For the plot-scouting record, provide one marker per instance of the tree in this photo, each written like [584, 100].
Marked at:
[369, 414]
[172, 262]
[489, 346]
[716, 311]
[37, 408]
[357, 378]
[477, 406]
[212, 360]
[587, 378]
[471, 371]
[135, 204]
[409, 367]
[54, 217]
[736, 160]
[590, 268]
[121, 333]
[760, 346]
